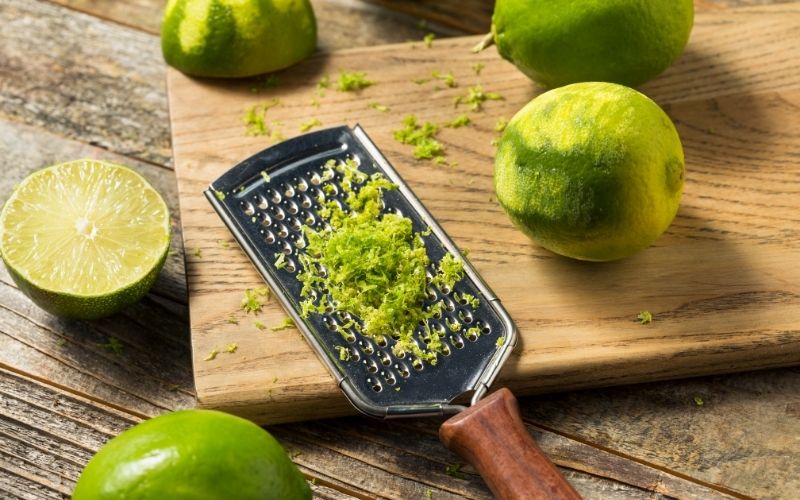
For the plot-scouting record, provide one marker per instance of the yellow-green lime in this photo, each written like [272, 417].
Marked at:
[192, 455]
[84, 239]
[557, 42]
[237, 38]
[593, 171]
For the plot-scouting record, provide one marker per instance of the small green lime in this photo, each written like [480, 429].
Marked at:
[593, 171]
[557, 42]
[84, 239]
[237, 38]
[192, 455]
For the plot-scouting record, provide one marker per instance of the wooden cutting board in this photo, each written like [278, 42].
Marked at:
[723, 284]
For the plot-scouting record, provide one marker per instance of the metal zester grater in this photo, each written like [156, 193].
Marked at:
[266, 199]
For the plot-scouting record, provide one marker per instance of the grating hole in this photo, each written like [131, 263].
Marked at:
[354, 354]
[374, 384]
[262, 202]
[302, 185]
[438, 328]
[286, 248]
[402, 369]
[457, 341]
[428, 277]
[384, 358]
[269, 237]
[265, 219]
[290, 266]
[249, 209]
[295, 224]
[308, 218]
[445, 289]
[416, 363]
[366, 347]
[431, 293]
[283, 232]
[465, 316]
[485, 328]
[289, 191]
[472, 336]
[372, 366]
[278, 213]
[292, 207]
[460, 298]
[299, 241]
[305, 201]
[330, 323]
[389, 377]
[449, 305]
[381, 341]
[445, 349]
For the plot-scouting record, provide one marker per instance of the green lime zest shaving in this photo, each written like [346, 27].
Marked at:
[428, 40]
[447, 78]
[645, 317]
[379, 107]
[454, 470]
[500, 124]
[285, 325]
[255, 117]
[459, 121]
[265, 176]
[232, 320]
[254, 299]
[219, 194]
[280, 261]
[374, 267]
[344, 353]
[698, 401]
[260, 325]
[422, 137]
[309, 124]
[500, 341]
[211, 355]
[231, 348]
[478, 67]
[475, 98]
[113, 345]
[353, 81]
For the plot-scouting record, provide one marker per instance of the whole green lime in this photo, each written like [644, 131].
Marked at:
[85, 238]
[557, 42]
[192, 455]
[237, 38]
[592, 171]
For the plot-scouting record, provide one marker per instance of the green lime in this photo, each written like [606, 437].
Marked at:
[593, 171]
[556, 42]
[84, 239]
[237, 38]
[192, 455]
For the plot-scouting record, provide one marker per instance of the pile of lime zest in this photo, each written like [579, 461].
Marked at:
[232, 320]
[475, 98]
[309, 124]
[255, 299]
[260, 325]
[478, 67]
[198, 252]
[270, 81]
[454, 470]
[231, 348]
[286, 324]
[447, 78]
[500, 124]
[344, 353]
[211, 355]
[113, 345]
[645, 317]
[379, 107]
[255, 117]
[698, 401]
[422, 137]
[428, 40]
[373, 266]
[280, 261]
[500, 341]
[459, 121]
[265, 176]
[353, 81]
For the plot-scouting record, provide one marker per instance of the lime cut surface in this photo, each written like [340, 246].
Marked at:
[84, 238]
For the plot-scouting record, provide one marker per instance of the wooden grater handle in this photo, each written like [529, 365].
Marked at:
[492, 437]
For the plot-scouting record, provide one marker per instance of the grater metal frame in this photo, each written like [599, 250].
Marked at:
[490, 370]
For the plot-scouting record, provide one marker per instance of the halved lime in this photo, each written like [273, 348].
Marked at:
[85, 238]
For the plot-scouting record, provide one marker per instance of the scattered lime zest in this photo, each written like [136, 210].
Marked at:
[397, 389]
[500, 124]
[459, 121]
[260, 325]
[698, 401]
[285, 325]
[454, 470]
[645, 317]
[344, 353]
[198, 252]
[231, 348]
[428, 40]
[427, 232]
[478, 67]
[475, 98]
[211, 355]
[314, 102]
[280, 261]
[232, 320]
[254, 299]
[224, 243]
[113, 345]
[473, 332]
[255, 117]
[447, 78]
[353, 81]
[322, 84]
[500, 341]
[275, 379]
[219, 194]
[428, 492]
[453, 325]
[309, 124]
[379, 107]
[265, 176]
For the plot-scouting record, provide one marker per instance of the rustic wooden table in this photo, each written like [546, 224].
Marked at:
[85, 78]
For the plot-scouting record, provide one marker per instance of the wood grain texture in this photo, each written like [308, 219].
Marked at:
[720, 282]
[491, 437]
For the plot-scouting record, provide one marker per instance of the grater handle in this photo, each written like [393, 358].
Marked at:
[491, 436]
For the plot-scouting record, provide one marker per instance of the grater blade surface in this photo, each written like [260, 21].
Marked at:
[266, 199]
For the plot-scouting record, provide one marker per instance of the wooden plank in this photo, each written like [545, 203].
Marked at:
[720, 282]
